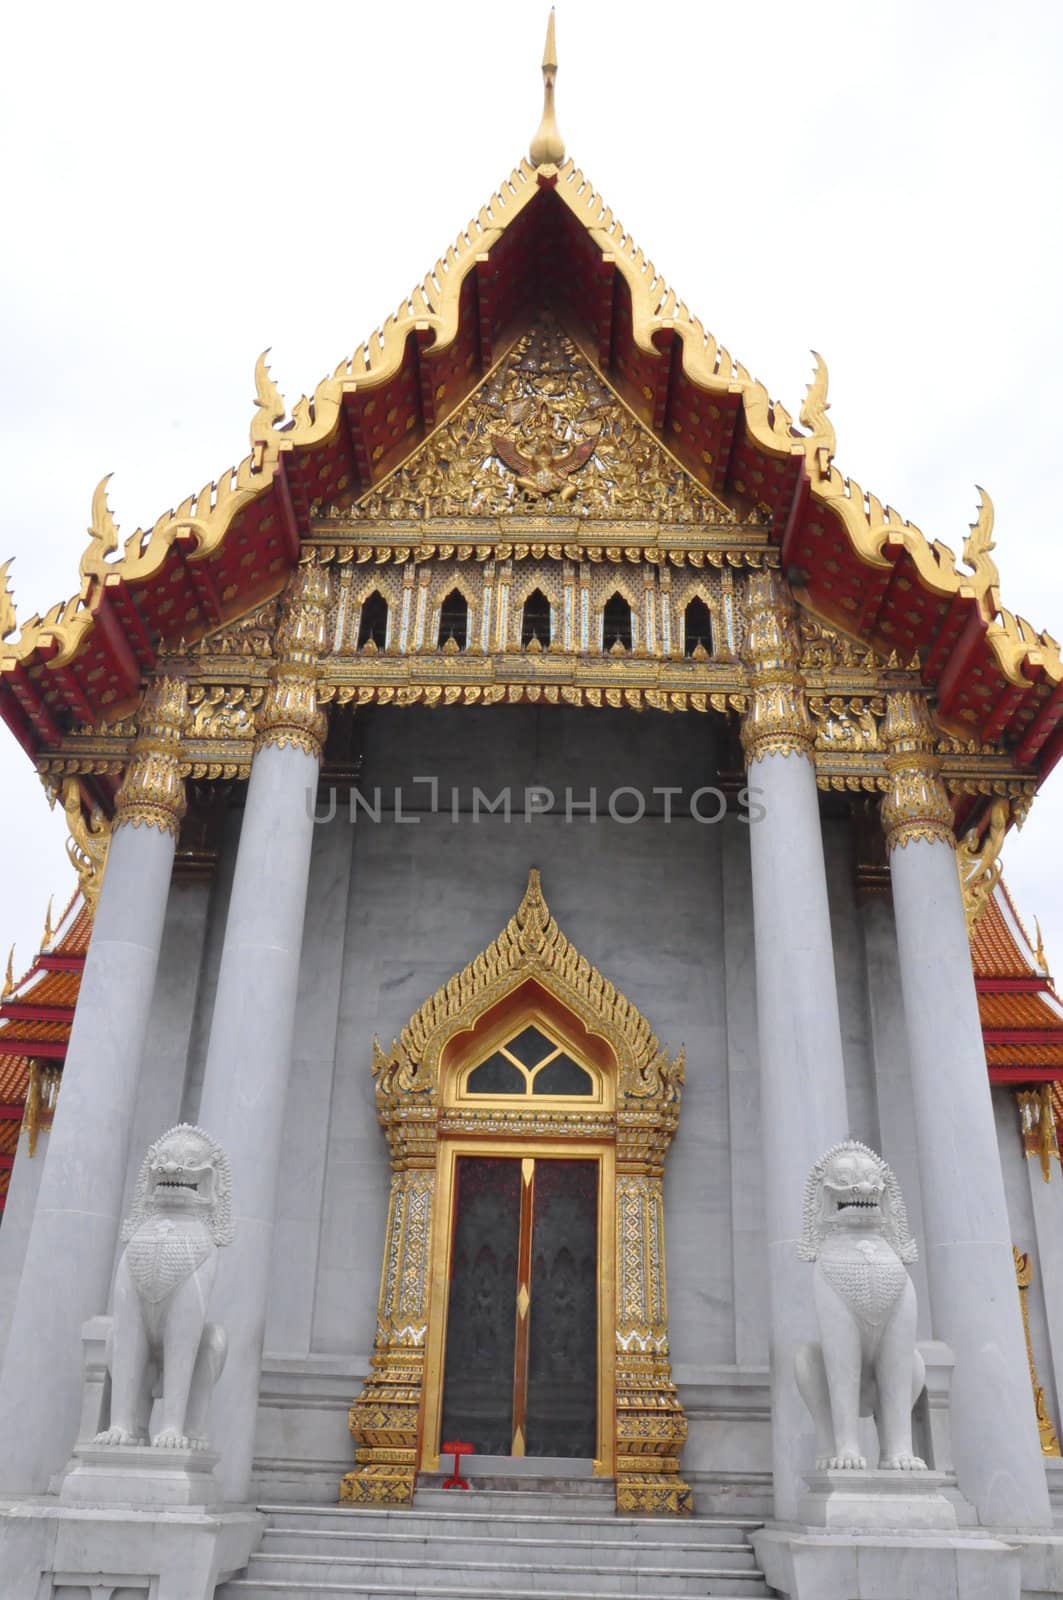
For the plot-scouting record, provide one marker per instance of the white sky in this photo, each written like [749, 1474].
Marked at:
[183, 187]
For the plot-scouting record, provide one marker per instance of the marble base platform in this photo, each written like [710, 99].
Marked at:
[138, 1475]
[877, 1501]
[811, 1564]
[48, 1550]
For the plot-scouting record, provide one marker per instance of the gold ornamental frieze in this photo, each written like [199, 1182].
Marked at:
[431, 1117]
[236, 675]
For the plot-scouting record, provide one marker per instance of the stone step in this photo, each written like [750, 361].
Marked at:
[518, 1495]
[480, 1517]
[504, 1551]
[540, 1578]
[271, 1589]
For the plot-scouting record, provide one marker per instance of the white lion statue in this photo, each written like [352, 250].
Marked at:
[161, 1344]
[866, 1364]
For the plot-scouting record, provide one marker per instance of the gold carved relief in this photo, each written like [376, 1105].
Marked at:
[978, 862]
[629, 1123]
[916, 804]
[1037, 1123]
[777, 722]
[153, 791]
[1024, 1278]
[543, 434]
[88, 843]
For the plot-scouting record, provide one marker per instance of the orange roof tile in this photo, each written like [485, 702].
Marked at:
[995, 949]
[51, 989]
[1019, 1011]
[9, 1131]
[14, 1077]
[33, 1032]
[1049, 1054]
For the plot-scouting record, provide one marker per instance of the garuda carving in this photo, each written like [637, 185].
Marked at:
[856, 1232]
[161, 1344]
[541, 461]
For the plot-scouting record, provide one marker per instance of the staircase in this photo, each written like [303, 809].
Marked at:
[539, 1542]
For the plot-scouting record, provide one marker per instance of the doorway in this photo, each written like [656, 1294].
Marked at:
[521, 1355]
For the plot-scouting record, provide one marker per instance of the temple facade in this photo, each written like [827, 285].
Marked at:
[531, 810]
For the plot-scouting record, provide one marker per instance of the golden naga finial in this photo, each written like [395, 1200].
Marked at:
[979, 542]
[9, 977]
[103, 535]
[270, 408]
[978, 862]
[814, 417]
[49, 931]
[88, 843]
[548, 147]
[8, 619]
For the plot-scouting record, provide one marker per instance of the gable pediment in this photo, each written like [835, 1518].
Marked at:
[542, 437]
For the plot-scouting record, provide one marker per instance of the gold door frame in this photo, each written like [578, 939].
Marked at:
[531, 970]
[519, 1149]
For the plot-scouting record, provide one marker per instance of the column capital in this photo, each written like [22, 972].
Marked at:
[916, 804]
[777, 722]
[153, 791]
[289, 714]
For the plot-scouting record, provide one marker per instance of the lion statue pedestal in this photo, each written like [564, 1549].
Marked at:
[884, 1528]
[162, 1355]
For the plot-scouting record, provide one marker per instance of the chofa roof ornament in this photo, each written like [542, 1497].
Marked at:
[548, 148]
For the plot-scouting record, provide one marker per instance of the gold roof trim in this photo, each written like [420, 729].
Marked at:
[872, 528]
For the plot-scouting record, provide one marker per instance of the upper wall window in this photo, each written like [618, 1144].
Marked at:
[616, 623]
[535, 620]
[373, 627]
[454, 621]
[697, 629]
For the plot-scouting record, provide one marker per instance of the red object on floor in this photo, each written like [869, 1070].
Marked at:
[456, 1449]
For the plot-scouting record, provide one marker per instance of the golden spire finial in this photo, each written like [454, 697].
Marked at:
[548, 147]
[9, 976]
[1039, 949]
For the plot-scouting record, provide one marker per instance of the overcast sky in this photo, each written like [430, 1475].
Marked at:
[182, 187]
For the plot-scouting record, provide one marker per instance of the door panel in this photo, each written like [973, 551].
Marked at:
[563, 1348]
[481, 1320]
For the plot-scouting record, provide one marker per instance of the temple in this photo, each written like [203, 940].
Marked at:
[528, 814]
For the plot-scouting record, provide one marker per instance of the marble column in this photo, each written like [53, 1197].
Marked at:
[17, 1221]
[67, 1272]
[968, 1244]
[249, 1055]
[802, 1071]
[893, 1077]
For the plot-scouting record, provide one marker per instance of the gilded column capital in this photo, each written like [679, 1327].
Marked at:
[153, 791]
[777, 722]
[916, 804]
[289, 714]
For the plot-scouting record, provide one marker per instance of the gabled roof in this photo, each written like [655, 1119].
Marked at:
[545, 239]
[1022, 1015]
[36, 1015]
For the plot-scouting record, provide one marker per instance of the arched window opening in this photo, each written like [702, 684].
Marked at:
[454, 621]
[373, 628]
[697, 630]
[535, 622]
[529, 1064]
[616, 624]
